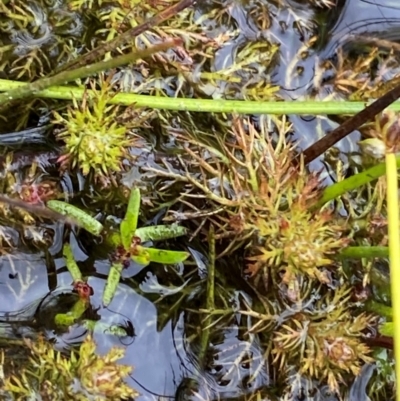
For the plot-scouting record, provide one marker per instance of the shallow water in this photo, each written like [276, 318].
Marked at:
[164, 348]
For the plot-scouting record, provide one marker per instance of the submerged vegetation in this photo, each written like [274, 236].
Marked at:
[273, 255]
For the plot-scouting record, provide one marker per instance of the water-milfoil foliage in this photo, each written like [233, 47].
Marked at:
[259, 196]
[323, 339]
[367, 76]
[94, 138]
[80, 376]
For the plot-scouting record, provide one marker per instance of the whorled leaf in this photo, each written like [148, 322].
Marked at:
[86, 221]
[112, 283]
[159, 233]
[69, 318]
[71, 264]
[158, 255]
[129, 223]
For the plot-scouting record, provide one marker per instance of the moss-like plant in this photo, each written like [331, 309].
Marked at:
[320, 336]
[127, 243]
[262, 200]
[81, 376]
[94, 140]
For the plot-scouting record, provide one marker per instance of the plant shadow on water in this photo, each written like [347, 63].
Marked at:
[159, 312]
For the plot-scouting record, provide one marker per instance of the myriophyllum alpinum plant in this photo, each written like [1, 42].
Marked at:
[93, 137]
[262, 200]
[84, 375]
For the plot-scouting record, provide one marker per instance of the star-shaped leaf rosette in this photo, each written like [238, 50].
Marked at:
[129, 242]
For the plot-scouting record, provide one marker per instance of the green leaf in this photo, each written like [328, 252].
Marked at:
[112, 283]
[129, 224]
[104, 328]
[387, 329]
[85, 220]
[159, 233]
[64, 320]
[71, 264]
[141, 256]
[69, 318]
[163, 256]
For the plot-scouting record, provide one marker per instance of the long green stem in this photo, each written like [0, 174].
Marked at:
[353, 182]
[25, 90]
[210, 300]
[394, 253]
[308, 107]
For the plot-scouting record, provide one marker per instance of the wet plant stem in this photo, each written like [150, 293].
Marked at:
[378, 308]
[308, 107]
[355, 181]
[394, 253]
[31, 89]
[210, 300]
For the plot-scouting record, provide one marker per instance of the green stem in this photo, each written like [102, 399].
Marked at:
[358, 252]
[353, 182]
[35, 88]
[308, 107]
[392, 200]
[210, 300]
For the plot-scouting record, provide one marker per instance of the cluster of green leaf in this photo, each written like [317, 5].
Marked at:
[128, 243]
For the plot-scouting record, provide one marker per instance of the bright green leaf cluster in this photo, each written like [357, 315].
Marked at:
[129, 239]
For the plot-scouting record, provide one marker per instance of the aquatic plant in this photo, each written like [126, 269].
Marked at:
[261, 199]
[127, 243]
[39, 36]
[24, 180]
[363, 76]
[242, 182]
[82, 375]
[29, 183]
[323, 338]
[93, 137]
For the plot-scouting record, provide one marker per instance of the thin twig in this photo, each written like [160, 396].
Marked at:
[67, 76]
[367, 114]
[127, 36]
